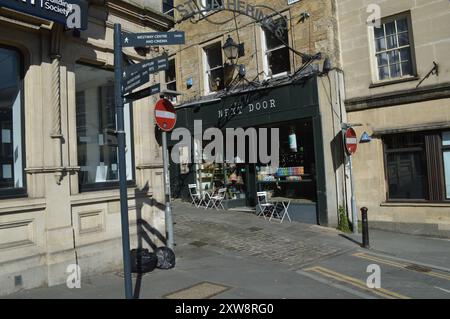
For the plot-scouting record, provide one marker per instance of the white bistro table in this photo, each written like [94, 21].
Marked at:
[283, 203]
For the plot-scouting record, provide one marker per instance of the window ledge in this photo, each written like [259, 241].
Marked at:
[391, 82]
[21, 205]
[414, 204]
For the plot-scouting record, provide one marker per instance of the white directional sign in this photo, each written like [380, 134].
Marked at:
[151, 66]
[154, 89]
[152, 39]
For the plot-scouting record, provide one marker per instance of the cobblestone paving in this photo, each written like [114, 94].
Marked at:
[292, 244]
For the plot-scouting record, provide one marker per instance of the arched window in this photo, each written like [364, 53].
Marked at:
[11, 128]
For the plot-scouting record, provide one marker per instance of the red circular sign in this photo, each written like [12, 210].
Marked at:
[351, 141]
[165, 115]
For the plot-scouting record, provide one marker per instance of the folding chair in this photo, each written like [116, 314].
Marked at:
[216, 200]
[195, 196]
[266, 208]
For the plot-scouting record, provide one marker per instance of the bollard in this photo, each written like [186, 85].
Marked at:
[365, 228]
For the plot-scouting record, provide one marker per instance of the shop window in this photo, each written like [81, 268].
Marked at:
[446, 155]
[213, 63]
[167, 7]
[96, 126]
[417, 166]
[275, 51]
[171, 80]
[11, 130]
[295, 178]
[406, 166]
[393, 48]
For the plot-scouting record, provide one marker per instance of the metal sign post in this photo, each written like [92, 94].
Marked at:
[351, 146]
[352, 185]
[125, 82]
[168, 210]
[166, 118]
[122, 161]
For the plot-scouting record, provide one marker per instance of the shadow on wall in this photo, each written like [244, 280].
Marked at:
[145, 231]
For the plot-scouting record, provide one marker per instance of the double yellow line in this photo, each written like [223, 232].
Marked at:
[356, 282]
[399, 265]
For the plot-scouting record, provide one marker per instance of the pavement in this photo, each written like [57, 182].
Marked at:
[236, 255]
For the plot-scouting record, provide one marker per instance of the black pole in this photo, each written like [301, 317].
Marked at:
[122, 161]
[365, 228]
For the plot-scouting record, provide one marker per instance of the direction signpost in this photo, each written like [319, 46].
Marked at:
[126, 80]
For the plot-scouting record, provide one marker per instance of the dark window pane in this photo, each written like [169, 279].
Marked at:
[383, 72]
[395, 70]
[406, 175]
[393, 56]
[272, 40]
[216, 80]
[172, 86]
[171, 73]
[402, 141]
[403, 39]
[406, 68]
[168, 7]
[214, 56]
[392, 42]
[279, 61]
[390, 28]
[382, 59]
[11, 167]
[380, 44]
[405, 54]
[379, 32]
[402, 25]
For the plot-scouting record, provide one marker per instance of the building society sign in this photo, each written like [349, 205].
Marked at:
[71, 13]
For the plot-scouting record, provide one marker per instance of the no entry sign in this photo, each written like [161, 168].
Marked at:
[165, 115]
[351, 141]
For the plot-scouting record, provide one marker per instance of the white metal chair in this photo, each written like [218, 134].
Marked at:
[195, 195]
[217, 199]
[266, 208]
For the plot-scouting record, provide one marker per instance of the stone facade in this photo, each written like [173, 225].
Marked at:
[312, 28]
[311, 35]
[398, 106]
[56, 224]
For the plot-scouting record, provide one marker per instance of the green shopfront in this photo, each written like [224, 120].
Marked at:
[294, 109]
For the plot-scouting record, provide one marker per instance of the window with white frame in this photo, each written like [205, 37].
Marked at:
[96, 129]
[393, 48]
[171, 79]
[276, 59]
[213, 64]
[12, 177]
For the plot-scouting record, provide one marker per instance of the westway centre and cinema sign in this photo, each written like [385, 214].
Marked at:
[71, 13]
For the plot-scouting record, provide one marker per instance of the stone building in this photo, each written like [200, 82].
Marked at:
[58, 182]
[397, 79]
[279, 80]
